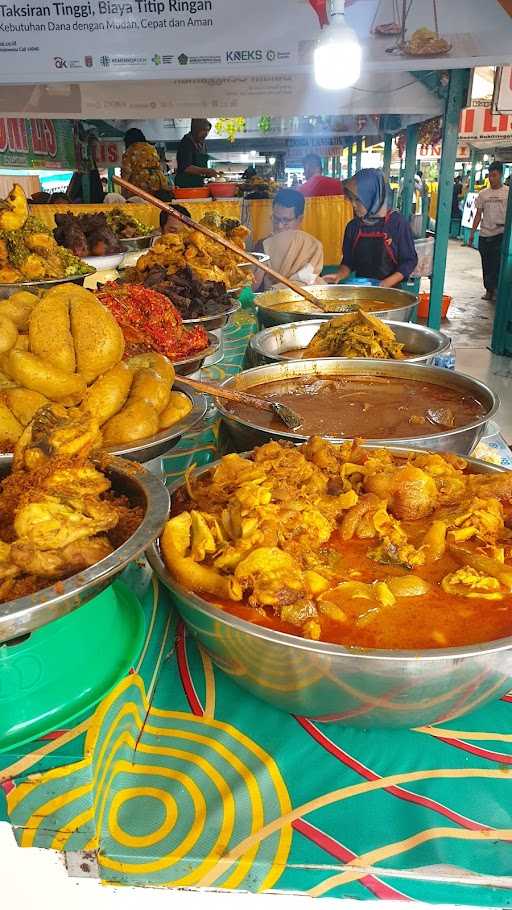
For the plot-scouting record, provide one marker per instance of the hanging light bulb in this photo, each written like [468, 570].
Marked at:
[337, 56]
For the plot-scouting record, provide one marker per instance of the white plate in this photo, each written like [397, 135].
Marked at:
[104, 262]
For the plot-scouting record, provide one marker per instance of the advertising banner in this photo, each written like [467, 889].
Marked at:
[36, 144]
[165, 39]
[481, 123]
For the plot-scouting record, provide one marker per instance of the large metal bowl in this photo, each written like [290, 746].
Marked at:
[217, 321]
[397, 305]
[238, 434]
[33, 286]
[143, 450]
[271, 345]
[189, 365]
[134, 244]
[330, 683]
[142, 488]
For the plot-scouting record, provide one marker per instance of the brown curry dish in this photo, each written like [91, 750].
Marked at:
[364, 548]
[373, 406]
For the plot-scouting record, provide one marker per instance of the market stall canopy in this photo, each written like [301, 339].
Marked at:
[280, 95]
[113, 40]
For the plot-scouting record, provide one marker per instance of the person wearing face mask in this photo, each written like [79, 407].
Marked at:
[192, 156]
[378, 243]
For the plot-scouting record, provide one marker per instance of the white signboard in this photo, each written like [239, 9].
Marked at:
[274, 94]
[503, 93]
[469, 210]
[481, 123]
[58, 41]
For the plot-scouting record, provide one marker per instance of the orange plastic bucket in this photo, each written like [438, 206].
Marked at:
[424, 304]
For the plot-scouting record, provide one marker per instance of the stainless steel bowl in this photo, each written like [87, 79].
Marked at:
[28, 613]
[217, 321]
[397, 305]
[238, 434]
[189, 365]
[133, 244]
[331, 683]
[33, 286]
[143, 450]
[271, 345]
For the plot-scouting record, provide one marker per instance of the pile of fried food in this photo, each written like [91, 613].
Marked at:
[150, 322]
[426, 43]
[126, 226]
[355, 335]
[58, 513]
[86, 235]
[208, 260]
[361, 547]
[66, 347]
[28, 252]
[192, 297]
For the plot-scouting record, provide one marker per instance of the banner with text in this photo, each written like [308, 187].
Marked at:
[36, 144]
[159, 39]
[481, 123]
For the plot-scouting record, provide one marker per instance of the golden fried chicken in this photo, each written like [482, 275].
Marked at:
[74, 557]
[56, 430]
[40, 243]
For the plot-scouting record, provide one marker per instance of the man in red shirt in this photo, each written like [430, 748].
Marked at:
[316, 184]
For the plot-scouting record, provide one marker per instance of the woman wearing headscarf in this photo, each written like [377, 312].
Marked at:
[378, 242]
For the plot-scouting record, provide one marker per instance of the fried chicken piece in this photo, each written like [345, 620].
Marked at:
[34, 267]
[10, 275]
[4, 253]
[74, 557]
[51, 524]
[56, 430]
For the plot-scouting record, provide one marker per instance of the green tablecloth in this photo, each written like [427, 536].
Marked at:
[180, 778]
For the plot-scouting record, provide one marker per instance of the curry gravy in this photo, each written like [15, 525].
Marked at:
[374, 407]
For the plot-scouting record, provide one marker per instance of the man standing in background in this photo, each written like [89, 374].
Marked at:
[316, 184]
[491, 209]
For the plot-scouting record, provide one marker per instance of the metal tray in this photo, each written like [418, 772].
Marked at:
[7, 289]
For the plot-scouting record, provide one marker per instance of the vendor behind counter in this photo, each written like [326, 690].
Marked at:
[192, 156]
[378, 243]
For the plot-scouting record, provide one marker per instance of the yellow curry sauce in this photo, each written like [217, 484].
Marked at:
[366, 549]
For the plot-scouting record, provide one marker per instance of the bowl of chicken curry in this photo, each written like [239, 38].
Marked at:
[350, 583]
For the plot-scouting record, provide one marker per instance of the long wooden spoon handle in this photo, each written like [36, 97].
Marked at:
[219, 238]
[226, 394]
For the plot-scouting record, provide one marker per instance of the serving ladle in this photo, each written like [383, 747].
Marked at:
[282, 411]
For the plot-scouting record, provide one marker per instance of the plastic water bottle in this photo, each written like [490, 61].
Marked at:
[446, 359]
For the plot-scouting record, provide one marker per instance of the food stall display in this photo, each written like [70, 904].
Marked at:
[367, 549]
[86, 235]
[28, 252]
[66, 348]
[208, 260]
[59, 512]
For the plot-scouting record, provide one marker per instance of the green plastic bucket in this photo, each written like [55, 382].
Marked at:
[66, 667]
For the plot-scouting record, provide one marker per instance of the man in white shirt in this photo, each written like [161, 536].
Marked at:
[491, 210]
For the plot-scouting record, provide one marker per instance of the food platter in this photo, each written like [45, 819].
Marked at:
[217, 321]
[242, 434]
[271, 345]
[7, 289]
[20, 616]
[397, 305]
[328, 682]
[142, 450]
